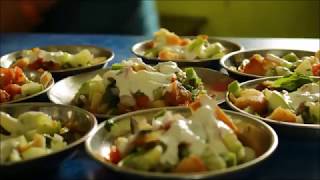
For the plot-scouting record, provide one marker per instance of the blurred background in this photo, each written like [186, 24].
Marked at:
[272, 18]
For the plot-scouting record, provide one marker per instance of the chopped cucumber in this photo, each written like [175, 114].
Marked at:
[214, 50]
[31, 88]
[234, 88]
[81, 59]
[291, 57]
[250, 154]
[120, 128]
[39, 121]
[230, 158]
[234, 145]
[10, 124]
[57, 143]
[116, 66]
[275, 99]
[33, 152]
[213, 161]
[304, 68]
[143, 160]
[282, 71]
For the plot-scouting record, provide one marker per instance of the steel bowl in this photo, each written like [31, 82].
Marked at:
[256, 134]
[234, 59]
[8, 59]
[40, 96]
[285, 129]
[64, 91]
[139, 49]
[80, 123]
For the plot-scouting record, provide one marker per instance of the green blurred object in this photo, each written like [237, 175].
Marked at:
[242, 18]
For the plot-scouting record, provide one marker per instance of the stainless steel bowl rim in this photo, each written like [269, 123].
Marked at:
[70, 145]
[201, 175]
[141, 43]
[227, 56]
[108, 59]
[107, 69]
[45, 90]
[287, 124]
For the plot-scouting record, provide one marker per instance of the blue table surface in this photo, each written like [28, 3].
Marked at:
[293, 159]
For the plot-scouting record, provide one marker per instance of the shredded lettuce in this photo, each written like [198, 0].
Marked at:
[291, 82]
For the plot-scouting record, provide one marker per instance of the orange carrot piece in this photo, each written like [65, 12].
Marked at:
[195, 105]
[191, 164]
[225, 118]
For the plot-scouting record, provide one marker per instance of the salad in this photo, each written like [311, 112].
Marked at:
[169, 46]
[132, 85]
[31, 134]
[273, 65]
[14, 84]
[206, 140]
[294, 98]
[36, 58]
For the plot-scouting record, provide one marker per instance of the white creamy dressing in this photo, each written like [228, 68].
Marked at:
[179, 132]
[146, 81]
[202, 130]
[133, 61]
[306, 93]
[168, 67]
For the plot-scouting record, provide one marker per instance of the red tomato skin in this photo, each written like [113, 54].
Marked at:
[114, 155]
[255, 66]
[4, 96]
[13, 89]
[37, 64]
[142, 101]
[6, 76]
[316, 69]
[19, 77]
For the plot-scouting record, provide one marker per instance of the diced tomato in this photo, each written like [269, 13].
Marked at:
[316, 69]
[170, 97]
[255, 66]
[13, 89]
[19, 76]
[4, 96]
[6, 76]
[177, 96]
[142, 101]
[37, 64]
[114, 155]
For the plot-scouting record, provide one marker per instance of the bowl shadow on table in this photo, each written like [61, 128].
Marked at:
[41, 168]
